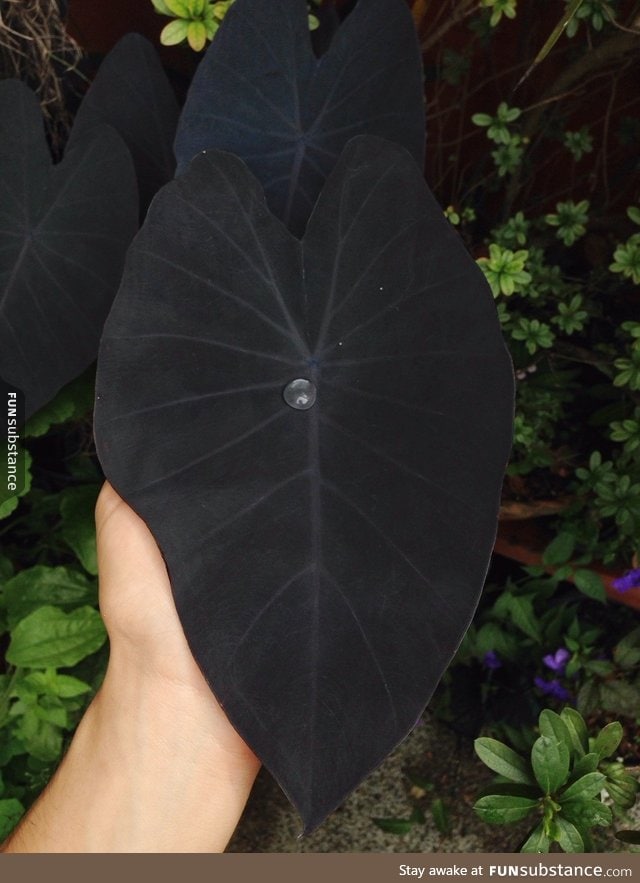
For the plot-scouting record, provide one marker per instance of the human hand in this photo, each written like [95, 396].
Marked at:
[155, 766]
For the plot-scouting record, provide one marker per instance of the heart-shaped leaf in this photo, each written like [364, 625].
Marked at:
[131, 92]
[64, 230]
[261, 93]
[325, 560]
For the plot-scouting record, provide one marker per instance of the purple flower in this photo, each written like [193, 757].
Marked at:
[553, 688]
[557, 661]
[492, 660]
[630, 580]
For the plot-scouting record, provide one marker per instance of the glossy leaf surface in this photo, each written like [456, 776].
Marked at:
[325, 562]
[64, 230]
[261, 93]
[131, 92]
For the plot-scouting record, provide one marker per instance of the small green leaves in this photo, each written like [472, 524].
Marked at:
[503, 760]
[37, 586]
[560, 549]
[11, 811]
[175, 32]
[498, 126]
[578, 143]
[627, 431]
[401, 826]
[577, 730]
[197, 21]
[608, 739]
[626, 259]
[537, 842]
[534, 334]
[77, 505]
[567, 835]
[584, 788]
[50, 637]
[500, 8]
[550, 762]
[570, 218]
[504, 270]
[590, 584]
[500, 809]
[592, 12]
[571, 782]
[571, 317]
[628, 370]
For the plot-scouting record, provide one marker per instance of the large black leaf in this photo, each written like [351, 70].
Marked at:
[262, 94]
[325, 562]
[131, 92]
[64, 231]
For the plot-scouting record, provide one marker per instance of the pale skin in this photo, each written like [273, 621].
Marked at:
[154, 766]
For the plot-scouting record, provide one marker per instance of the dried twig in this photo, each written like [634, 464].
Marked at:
[34, 47]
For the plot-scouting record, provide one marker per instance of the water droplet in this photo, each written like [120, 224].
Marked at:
[300, 394]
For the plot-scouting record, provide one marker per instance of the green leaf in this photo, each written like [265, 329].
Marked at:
[608, 739]
[6, 569]
[50, 637]
[73, 400]
[587, 764]
[196, 35]
[395, 826]
[567, 835]
[560, 549]
[552, 725]
[54, 684]
[175, 32]
[626, 653]
[537, 841]
[550, 761]
[584, 788]
[40, 585]
[441, 816]
[586, 814]
[57, 411]
[179, 7]
[589, 697]
[523, 616]
[634, 214]
[77, 506]
[590, 584]
[500, 809]
[619, 697]
[577, 728]
[622, 794]
[10, 504]
[503, 760]
[11, 811]
[161, 7]
[629, 837]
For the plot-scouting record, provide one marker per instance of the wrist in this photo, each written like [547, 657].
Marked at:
[154, 767]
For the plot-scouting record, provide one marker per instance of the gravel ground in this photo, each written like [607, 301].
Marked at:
[432, 751]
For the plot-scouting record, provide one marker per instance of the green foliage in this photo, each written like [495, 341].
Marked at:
[504, 270]
[534, 334]
[626, 258]
[499, 8]
[593, 13]
[197, 21]
[578, 143]
[570, 218]
[559, 785]
[498, 126]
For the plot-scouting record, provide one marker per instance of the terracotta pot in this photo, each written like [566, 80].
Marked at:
[524, 541]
